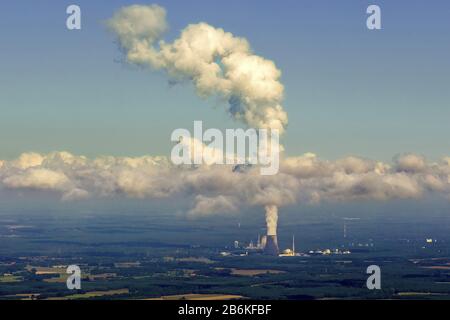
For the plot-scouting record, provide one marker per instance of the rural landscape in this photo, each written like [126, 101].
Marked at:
[224, 150]
[165, 257]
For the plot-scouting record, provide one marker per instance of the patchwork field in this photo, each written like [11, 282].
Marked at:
[172, 259]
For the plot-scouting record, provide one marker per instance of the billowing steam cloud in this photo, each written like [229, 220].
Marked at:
[271, 219]
[217, 63]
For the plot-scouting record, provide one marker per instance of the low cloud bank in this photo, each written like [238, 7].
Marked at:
[225, 189]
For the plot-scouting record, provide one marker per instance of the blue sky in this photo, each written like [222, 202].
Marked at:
[349, 91]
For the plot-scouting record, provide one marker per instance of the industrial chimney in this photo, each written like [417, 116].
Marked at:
[271, 247]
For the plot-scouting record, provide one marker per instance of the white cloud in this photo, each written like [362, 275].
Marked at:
[410, 163]
[211, 205]
[137, 28]
[37, 178]
[224, 188]
[217, 62]
[75, 194]
[28, 160]
[355, 165]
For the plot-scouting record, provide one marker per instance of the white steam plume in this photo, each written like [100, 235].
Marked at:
[217, 63]
[271, 219]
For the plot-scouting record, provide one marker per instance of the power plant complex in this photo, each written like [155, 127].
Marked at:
[268, 245]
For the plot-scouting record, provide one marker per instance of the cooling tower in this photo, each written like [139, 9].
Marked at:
[271, 247]
[263, 242]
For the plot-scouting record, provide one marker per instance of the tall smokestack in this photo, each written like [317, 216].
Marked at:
[271, 247]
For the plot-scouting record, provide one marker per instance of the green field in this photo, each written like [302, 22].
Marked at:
[148, 257]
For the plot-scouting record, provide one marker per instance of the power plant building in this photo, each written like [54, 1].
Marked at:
[271, 247]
